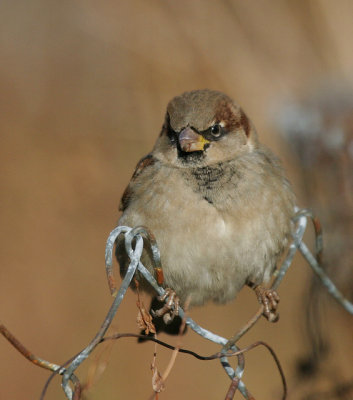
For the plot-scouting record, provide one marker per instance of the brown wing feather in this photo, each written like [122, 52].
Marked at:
[128, 193]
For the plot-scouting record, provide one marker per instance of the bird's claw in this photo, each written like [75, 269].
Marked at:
[170, 308]
[269, 299]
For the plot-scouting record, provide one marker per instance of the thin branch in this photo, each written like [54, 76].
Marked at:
[40, 362]
[177, 348]
[27, 353]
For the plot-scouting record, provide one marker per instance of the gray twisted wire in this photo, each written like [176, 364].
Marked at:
[139, 234]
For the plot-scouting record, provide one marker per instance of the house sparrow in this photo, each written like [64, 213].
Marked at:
[217, 201]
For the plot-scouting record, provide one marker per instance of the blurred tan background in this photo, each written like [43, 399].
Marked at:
[83, 91]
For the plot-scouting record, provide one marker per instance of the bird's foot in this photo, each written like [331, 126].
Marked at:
[269, 299]
[170, 308]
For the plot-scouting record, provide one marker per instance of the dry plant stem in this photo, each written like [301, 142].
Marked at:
[157, 380]
[170, 364]
[144, 318]
[177, 348]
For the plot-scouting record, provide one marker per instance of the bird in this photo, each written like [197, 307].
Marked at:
[217, 201]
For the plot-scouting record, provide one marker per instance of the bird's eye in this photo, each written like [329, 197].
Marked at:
[216, 130]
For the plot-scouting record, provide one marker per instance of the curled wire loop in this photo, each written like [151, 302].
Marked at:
[140, 232]
[136, 238]
[114, 234]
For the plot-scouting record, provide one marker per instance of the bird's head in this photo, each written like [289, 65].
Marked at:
[203, 127]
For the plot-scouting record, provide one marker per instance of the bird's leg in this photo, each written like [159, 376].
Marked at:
[170, 308]
[269, 299]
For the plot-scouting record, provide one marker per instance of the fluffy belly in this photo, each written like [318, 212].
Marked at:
[199, 264]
